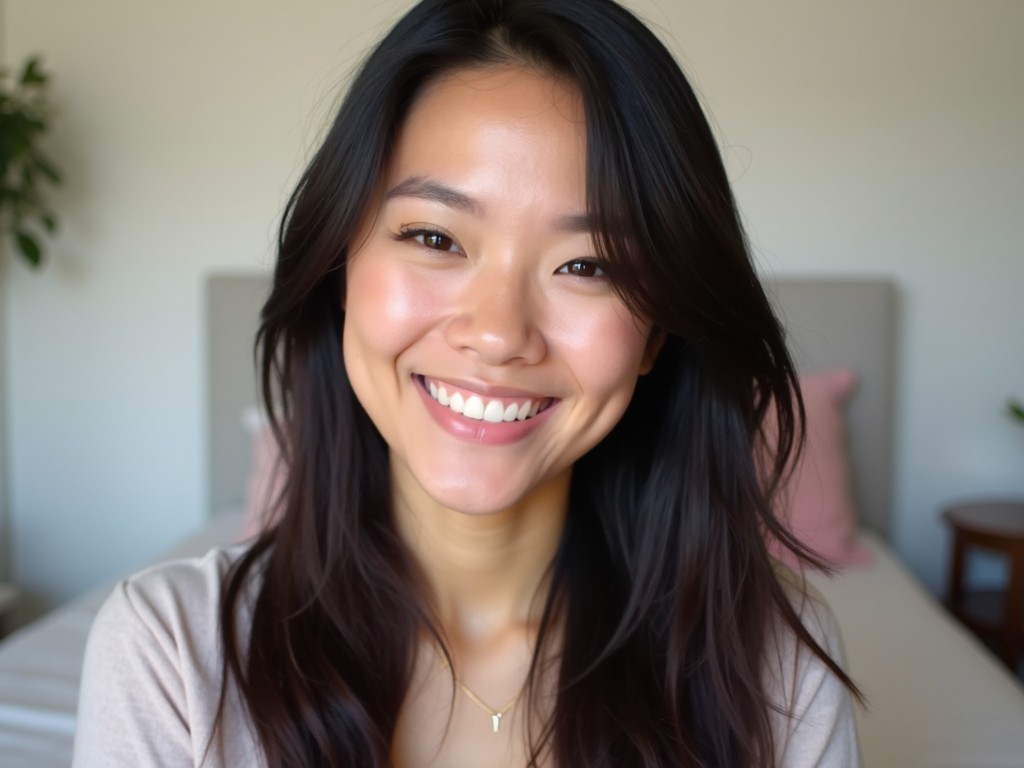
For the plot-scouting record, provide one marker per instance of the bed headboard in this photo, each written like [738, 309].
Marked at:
[830, 322]
[233, 303]
[851, 323]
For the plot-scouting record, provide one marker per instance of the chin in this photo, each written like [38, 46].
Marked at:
[479, 481]
[475, 501]
[487, 493]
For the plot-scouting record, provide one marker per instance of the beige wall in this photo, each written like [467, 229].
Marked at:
[863, 138]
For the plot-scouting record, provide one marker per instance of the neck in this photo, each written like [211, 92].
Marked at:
[486, 573]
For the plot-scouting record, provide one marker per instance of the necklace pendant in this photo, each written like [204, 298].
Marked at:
[496, 721]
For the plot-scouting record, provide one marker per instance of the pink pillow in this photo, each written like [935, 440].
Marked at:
[816, 502]
[266, 477]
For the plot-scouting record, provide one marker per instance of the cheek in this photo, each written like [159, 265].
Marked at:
[607, 352]
[385, 312]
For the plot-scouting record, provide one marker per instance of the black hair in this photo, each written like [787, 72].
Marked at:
[662, 586]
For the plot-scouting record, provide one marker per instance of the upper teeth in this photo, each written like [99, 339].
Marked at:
[474, 407]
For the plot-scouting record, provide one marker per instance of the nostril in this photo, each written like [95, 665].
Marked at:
[496, 337]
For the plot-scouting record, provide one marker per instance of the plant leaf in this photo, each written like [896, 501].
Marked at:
[45, 167]
[32, 74]
[29, 248]
[23, 169]
[1015, 409]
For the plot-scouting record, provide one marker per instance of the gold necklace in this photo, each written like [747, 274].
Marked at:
[495, 714]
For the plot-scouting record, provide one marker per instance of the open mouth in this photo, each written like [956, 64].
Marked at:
[483, 408]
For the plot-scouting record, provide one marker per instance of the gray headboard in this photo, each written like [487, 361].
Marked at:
[233, 303]
[852, 323]
[830, 322]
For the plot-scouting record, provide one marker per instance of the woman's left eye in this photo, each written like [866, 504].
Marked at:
[581, 268]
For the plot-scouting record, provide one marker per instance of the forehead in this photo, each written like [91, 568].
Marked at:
[522, 88]
[516, 113]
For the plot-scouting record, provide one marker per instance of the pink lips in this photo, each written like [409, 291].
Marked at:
[505, 420]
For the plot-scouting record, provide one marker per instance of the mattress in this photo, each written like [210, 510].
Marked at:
[936, 697]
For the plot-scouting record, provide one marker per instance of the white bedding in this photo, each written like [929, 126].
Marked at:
[936, 697]
[41, 665]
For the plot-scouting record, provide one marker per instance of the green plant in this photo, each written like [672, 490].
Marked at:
[1015, 410]
[24, 118]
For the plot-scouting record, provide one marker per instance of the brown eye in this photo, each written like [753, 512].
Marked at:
[437, 241]
[581, 268]
[432, 239]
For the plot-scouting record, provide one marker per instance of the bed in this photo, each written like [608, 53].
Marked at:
[936, 697]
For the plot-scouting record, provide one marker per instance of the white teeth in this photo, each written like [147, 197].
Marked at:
[494, 413]
[457, 404]
[474, 408]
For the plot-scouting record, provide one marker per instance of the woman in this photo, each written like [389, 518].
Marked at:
[523, 363]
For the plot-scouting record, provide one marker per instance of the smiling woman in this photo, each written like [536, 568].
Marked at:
[524, 366]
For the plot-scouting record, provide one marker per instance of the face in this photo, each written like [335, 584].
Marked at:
[481, 334]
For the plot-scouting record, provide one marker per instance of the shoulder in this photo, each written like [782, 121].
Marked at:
[164, 622]
[815, 724]
[153, 671]
[815, 615]
[175, 597]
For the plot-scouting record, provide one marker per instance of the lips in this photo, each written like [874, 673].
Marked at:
[477, 407]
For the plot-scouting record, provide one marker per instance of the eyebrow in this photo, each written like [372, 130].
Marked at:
[575, 222]
[435, 191]
[425, 189]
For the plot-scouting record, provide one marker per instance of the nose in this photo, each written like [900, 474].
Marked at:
[495, 320]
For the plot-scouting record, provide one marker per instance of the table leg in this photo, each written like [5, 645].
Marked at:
[1013, 611]
[955, 591]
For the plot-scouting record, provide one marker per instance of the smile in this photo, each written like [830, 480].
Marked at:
[482, 408]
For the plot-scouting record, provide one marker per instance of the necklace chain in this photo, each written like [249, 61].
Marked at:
[495, 714]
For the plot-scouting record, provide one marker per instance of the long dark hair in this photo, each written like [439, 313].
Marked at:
[662, 589]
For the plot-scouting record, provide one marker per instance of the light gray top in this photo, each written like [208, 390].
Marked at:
[151, 682]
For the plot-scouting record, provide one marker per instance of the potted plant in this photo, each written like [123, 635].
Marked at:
[24, 169]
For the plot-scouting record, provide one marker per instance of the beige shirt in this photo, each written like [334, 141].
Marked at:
[152, 676]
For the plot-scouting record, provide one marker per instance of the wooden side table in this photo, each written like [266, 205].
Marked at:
[8, 598]
[996, 526]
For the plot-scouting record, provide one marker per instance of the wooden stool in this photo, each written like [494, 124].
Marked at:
[996, 526]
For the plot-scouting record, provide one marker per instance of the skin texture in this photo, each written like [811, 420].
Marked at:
[475, 269]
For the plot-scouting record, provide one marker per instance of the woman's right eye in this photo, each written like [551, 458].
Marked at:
[432, 239]
[437, 241]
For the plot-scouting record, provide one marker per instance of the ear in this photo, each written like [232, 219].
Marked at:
[654, 344]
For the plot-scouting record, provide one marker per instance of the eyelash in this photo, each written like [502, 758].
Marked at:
[571, 268]
[598, 273]
[412, 233]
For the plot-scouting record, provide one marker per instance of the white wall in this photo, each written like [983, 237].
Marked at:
[875, 137]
